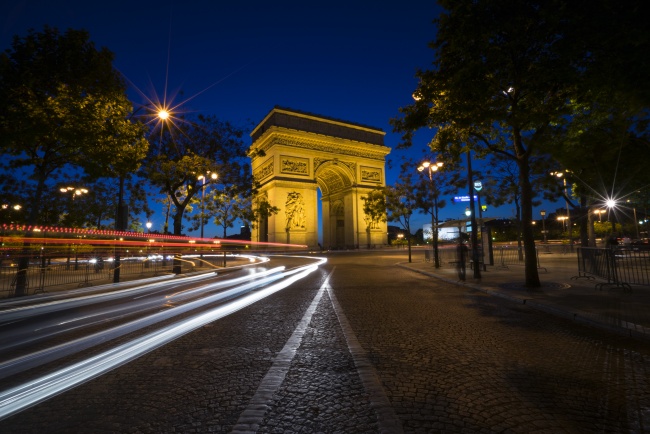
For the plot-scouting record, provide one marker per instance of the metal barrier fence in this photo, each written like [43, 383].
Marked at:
[503, 255]
[620, 267]
[86, 272]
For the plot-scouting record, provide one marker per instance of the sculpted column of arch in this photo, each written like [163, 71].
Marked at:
[294, 154]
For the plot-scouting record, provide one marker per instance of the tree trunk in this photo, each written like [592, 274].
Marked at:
[408, 242]
[23, 262]
[584, 223]
[531, 272]
[178, 230]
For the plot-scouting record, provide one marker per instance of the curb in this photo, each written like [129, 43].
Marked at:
[620, 327]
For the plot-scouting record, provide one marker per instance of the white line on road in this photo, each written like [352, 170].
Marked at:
[251, 418]
[386, 417]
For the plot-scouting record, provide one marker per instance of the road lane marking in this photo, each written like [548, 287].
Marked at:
[251, 418]
[386, 418]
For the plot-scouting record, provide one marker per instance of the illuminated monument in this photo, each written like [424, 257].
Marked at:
[304, 152]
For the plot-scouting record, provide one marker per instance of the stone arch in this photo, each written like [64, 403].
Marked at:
[294, 154]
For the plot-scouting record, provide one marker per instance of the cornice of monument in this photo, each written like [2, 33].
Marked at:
[278, 136]
[318, 118]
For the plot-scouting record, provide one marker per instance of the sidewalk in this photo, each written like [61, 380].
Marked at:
[562, 294]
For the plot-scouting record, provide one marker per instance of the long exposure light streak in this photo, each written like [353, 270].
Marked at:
[56, 305]
[38, 358]
[29, 394]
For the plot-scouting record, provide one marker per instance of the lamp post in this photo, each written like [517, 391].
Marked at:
[472, 208]
[74, 191]
[213, 176]
[611, 207]
[568, 212]
[7, 207]
[562, 219]
[431, 168]
[122, 213]
[146, 259]
[543, 213]
[600, 213]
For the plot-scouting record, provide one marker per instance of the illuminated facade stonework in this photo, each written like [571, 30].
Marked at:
[303, 153]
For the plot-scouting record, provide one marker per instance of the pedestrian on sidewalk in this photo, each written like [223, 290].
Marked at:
[461, 256]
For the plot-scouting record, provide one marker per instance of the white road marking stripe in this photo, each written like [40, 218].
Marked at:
[386, 417]
[251, 418]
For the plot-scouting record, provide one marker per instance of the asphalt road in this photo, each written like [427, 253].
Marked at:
[361, 345]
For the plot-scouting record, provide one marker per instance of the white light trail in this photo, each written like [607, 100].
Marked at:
[18, 398]
[47, 355]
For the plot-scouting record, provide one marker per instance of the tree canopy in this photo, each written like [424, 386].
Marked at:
[193, 148]
[508, 78]
[64, 106]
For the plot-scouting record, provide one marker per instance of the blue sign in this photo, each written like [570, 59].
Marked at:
[463, 198]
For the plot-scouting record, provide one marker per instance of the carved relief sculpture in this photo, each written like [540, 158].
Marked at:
[299, 166]
[295, 211]
[264, 171]
[370, 175]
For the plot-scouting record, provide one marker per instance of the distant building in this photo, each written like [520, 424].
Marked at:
[244, 234]
[444, 233]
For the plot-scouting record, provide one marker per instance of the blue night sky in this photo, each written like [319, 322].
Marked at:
[354, 61]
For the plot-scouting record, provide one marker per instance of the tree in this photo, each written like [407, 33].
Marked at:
[502, 186]
[202, 145]
[400, 203]
[64, 104]
[63, 107]
[226, 206]
[506, 78]
[374, 207]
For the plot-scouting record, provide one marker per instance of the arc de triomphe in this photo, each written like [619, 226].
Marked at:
[301, 153]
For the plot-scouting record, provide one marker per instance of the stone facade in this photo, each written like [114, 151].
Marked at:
[303, 153]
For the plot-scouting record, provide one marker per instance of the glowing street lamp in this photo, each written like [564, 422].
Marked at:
[121, 216]
[430, 168]
[600, 213]
[148, 225]
[74, 192]
[611, 205]
[543, 213]
[213, 177]
[568, 213]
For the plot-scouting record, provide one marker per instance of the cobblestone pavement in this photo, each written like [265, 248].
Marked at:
[377, 348]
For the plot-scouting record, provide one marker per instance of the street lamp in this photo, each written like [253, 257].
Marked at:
[122, 214]
[568, 213]
[543, 213]
[74, 191]
[213, 176]
[148, 225]
[431, 168]
[7, 207]
[600, 213]
[611, 206]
